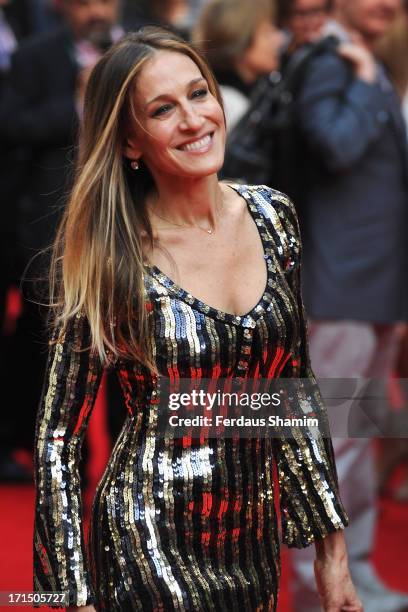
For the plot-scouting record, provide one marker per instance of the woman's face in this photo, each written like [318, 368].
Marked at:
[182, 129]
[262, 56]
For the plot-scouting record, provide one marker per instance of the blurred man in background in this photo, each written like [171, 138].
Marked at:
[42, 105]
[303, 20]
[19, 19]
[40, 110]
[353, 204]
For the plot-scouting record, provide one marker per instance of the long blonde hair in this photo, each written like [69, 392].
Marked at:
[97, 264]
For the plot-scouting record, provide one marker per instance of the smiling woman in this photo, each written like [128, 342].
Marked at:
[162, 272]
[180, 130]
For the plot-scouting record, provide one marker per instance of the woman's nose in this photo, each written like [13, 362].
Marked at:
[191, 119]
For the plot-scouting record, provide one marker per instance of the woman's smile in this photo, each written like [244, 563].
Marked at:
[198, 146]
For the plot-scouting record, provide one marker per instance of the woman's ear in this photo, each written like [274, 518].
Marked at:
[131, 150]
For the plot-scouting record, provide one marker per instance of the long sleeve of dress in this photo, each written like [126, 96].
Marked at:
[71, 383]
[310, 503]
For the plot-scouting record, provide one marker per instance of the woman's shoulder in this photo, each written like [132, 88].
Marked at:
[274, 206]
[280, 219]
[265, 192]
[272, 199]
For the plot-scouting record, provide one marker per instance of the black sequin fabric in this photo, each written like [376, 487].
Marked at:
[180, 526]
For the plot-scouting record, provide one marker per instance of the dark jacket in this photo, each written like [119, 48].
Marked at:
[25, 17]
[355, 197]
[38, 116]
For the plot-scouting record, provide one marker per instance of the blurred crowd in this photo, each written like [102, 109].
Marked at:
[316, 103]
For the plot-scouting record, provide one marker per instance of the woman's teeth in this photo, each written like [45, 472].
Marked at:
[198, 144]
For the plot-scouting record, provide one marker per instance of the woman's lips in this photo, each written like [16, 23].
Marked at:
[201, 145]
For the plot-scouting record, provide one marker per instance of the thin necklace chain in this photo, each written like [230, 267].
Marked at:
[207, 231]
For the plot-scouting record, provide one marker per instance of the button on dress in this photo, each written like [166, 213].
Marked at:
[188, 525]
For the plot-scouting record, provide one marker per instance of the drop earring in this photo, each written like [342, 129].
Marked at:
[134, 164]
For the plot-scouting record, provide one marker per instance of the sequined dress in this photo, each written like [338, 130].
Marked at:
[175, 526]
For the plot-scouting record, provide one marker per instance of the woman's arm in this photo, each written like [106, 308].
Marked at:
[311, 507]
[71, 383]
[310, 502]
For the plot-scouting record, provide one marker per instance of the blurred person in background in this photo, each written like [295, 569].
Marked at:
[40, 109]
[19, 19]
[241, 42]
[354, 208]
[302, 20]
[393, 51]
[42, 104]
[178, 15]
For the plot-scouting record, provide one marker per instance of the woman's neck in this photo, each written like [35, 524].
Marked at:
[186, 202]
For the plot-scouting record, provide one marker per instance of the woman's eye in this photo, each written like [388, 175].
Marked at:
[200, 93]
[161, 110]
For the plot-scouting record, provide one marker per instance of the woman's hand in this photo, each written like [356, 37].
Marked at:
[81, 609]
[336, 590]
[334, 584]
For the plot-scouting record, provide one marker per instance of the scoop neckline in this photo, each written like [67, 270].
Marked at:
[248, 319]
